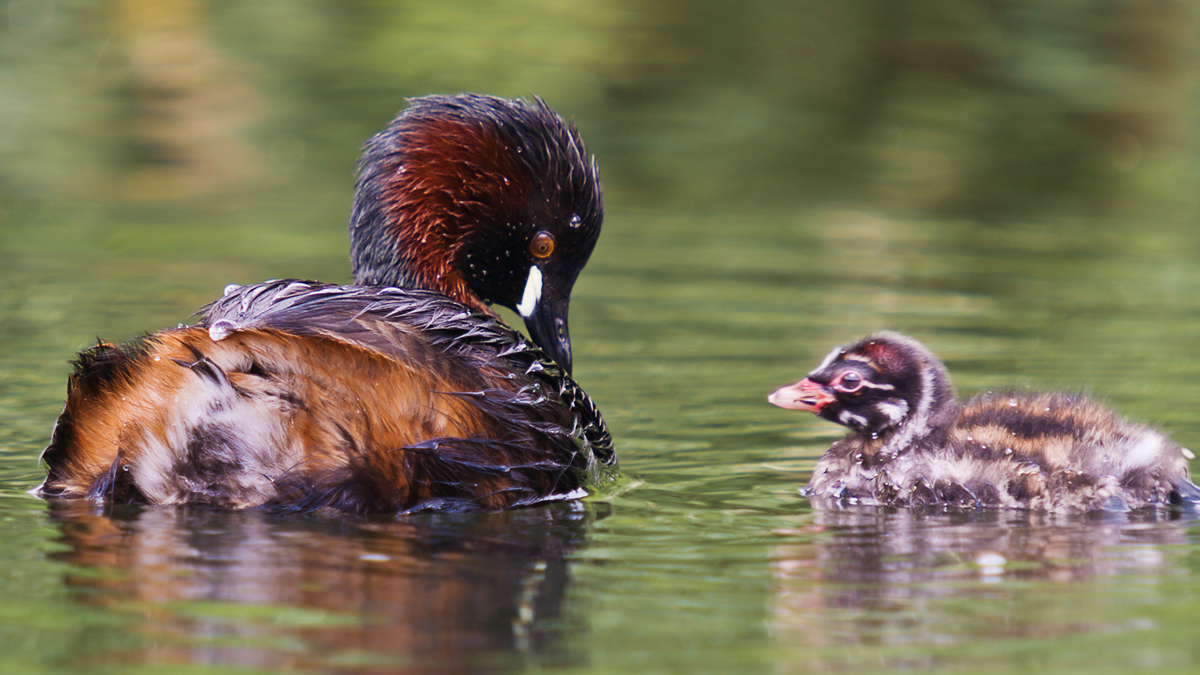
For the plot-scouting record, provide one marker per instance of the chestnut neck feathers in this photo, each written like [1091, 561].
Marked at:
[451, 194]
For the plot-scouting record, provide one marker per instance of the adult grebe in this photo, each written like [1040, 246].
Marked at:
[401, 392]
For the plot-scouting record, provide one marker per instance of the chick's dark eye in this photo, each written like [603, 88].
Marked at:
[850, 382]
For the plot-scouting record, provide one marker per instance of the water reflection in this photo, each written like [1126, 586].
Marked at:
[866, 576]
[251, 589]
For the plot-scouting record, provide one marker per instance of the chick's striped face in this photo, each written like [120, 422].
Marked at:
[862, 386]
[865, 398]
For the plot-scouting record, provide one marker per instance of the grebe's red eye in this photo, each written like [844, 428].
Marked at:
[850, 382]
[542, 245]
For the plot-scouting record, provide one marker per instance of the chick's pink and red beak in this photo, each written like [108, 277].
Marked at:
[804, 395]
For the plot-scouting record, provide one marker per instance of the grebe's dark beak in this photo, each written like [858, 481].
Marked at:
[547, 325]
[544, 307]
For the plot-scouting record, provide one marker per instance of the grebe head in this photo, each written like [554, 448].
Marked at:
[483, 199]
[873, 385]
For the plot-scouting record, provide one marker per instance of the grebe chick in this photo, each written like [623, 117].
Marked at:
[913, 444]
[401, 392]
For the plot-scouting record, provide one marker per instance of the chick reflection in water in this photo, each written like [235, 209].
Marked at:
[249, 589]
[900, 577]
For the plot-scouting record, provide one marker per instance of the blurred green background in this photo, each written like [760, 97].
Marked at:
[1013, 165]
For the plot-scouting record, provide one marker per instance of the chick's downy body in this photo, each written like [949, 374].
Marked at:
[913, 444]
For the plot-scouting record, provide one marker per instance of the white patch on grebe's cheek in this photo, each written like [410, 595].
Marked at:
[850, 419]
[533, 293]
[893, 411]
